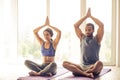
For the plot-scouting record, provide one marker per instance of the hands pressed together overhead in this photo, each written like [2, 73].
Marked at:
[47, 22]
[88, 13]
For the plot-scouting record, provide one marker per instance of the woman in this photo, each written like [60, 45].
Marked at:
[48, 48]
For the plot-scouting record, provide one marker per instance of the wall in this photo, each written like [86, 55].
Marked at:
[118, 36]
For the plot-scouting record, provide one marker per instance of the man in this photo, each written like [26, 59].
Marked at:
[90, 45]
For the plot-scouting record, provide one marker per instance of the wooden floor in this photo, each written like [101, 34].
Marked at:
[114, 74]
[13, 72]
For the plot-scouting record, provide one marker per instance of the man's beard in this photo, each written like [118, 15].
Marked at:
[89, 35]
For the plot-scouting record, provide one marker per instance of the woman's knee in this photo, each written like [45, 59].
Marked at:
[53, 64]
[52, 67]
[27, 62]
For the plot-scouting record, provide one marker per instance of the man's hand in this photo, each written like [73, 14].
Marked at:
[88, 13]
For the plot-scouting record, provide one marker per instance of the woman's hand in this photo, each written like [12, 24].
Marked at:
[47, 21]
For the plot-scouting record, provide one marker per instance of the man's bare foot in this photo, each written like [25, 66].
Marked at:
[90, 75]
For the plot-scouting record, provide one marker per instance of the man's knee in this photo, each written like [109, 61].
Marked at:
[65, 63]
[98, 66]
[99, 63]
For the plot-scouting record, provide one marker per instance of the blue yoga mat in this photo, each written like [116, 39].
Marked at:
[71, 77]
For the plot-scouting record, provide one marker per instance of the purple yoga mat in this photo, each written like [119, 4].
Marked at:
[71, 77]
[60, 71]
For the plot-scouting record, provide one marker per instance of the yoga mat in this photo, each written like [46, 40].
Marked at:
[71, 77]
[60, 71]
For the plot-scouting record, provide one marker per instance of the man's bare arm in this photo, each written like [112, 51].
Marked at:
[100, 30]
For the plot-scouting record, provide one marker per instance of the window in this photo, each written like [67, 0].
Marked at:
[63, 14]
[31, 14]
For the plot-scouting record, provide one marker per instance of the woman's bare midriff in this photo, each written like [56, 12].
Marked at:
[48, 59]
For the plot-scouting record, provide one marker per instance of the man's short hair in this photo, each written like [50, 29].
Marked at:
[90, 24]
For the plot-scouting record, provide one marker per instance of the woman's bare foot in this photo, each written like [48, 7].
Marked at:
[33, 73]
[30, 74]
